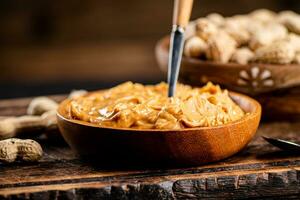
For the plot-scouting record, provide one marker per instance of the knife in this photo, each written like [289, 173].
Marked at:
[181, 15]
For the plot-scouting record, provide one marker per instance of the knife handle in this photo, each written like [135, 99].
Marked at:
[182, 12]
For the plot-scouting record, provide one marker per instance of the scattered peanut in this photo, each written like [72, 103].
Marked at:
[195, 47]
[280, 52]
[17, 126]
[290, 20]
[40, 105]
[283, 15]
[216, 19]
[205, 29]
[263, 15]
[49, 120]
[268, 35]
[260, 38]
[41, 118]
[241, 20]
[294, 40]
[297, 58]
[16, 149]
[237, 32]
[220, 47]
[255, 26]
[242, 56]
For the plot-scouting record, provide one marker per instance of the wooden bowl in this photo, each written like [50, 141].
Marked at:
[252, 79]
[193, 146]
[276, 87]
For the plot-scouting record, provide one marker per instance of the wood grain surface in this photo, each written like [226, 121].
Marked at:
[259, 171]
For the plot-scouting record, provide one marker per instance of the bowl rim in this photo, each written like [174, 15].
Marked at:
[254, 104]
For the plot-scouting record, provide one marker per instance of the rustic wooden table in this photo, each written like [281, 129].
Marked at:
[259, 171]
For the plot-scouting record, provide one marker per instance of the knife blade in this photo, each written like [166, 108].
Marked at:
[175, 54]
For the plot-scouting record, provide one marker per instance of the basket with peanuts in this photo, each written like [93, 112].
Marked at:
[261, 36]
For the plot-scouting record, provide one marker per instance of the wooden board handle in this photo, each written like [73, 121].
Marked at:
[182, 12]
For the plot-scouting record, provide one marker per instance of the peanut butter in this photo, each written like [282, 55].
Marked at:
[132, 105]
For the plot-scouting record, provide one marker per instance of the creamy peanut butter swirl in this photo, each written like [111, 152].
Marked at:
[132, 105]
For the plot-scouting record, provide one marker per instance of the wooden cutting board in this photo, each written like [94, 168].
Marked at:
[260, 170]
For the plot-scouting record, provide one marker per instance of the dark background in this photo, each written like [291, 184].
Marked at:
[49, 46]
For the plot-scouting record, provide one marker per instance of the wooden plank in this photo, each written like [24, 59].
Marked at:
[260, 170]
